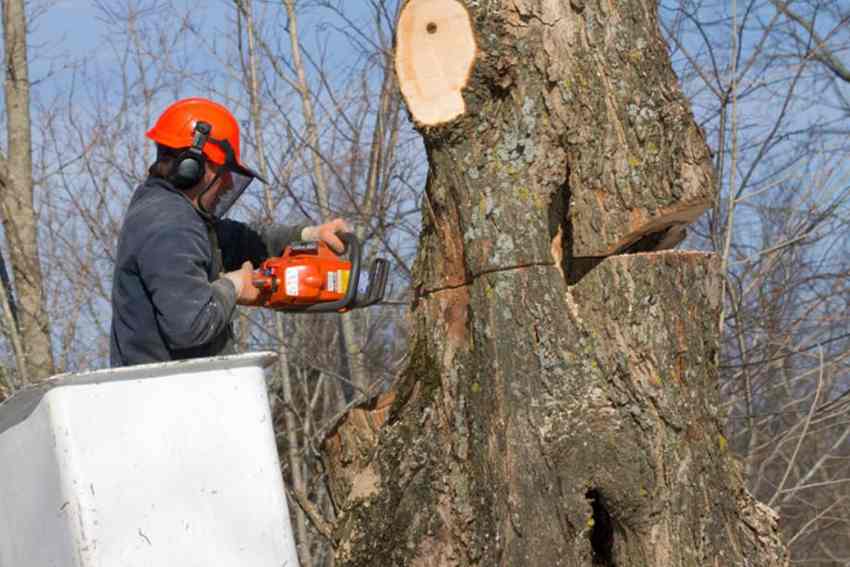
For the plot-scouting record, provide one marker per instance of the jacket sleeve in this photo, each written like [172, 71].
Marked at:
[241, 242]
[189, 309]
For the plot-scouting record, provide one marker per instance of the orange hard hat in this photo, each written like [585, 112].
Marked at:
[175, 129]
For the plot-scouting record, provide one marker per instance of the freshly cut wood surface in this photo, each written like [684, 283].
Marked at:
[434, 56]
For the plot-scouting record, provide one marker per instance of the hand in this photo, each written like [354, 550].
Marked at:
[327, 233]
[246, 292]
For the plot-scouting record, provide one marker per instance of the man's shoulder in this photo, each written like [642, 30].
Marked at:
[155, 204]
[159, 219]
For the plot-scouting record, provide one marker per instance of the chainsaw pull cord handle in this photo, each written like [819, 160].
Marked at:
[352, 249]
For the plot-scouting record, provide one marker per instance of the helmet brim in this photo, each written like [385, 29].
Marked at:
[231, 162]
[247, 172]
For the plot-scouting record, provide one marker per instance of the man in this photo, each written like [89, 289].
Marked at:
[181, 268]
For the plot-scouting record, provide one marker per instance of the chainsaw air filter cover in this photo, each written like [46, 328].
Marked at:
[310, 277]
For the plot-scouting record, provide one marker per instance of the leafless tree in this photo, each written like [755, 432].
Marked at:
[769, 85]
[333, 145]
[30, 332]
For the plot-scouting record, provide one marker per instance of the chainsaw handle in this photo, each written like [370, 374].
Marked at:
[352, 248]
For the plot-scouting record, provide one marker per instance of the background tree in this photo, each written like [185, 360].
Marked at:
[349, 158]
[768, 85]
[30, 330]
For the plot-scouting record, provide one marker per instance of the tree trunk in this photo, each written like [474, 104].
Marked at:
[560, 405]
[20, 220]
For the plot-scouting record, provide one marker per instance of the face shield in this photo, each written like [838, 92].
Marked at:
[233, 185]
[233, 178]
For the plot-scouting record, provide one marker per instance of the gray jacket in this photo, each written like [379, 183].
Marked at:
[168, 299]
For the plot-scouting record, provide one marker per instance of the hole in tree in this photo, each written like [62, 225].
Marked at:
[431, 27]
[602, 533]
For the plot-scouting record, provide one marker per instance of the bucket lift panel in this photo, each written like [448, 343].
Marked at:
[158, 465]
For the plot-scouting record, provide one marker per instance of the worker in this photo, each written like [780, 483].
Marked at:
[181, 267]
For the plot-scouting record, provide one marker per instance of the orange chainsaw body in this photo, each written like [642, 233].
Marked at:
[307, 273]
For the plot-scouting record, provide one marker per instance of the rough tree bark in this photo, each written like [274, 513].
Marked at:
[16, 199]
[559, 407]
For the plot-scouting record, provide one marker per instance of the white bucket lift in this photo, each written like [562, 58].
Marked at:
[162, 465]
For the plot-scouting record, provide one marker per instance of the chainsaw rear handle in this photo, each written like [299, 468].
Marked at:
[352, 249]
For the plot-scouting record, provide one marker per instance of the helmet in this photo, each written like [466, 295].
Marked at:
[177, 127]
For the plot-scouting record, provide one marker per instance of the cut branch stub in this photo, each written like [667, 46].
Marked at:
[434, 55]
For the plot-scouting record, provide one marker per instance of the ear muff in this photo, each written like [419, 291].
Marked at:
[189, 165]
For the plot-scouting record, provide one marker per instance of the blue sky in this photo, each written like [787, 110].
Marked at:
[71, 23]
[71, 29]
[68, 32]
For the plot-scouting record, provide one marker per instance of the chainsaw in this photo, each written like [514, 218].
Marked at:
[308, 277]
